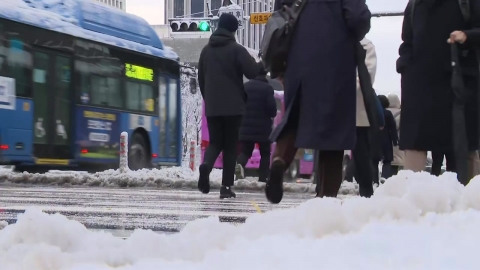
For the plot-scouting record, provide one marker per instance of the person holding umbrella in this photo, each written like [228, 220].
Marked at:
[473, 37]
[431, 116]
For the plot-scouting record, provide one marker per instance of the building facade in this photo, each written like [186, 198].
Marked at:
[119, 4]
[250, 36]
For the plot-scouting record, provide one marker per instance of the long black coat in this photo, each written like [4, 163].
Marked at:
[425, 65]
[321, 73]
[261, 109]
[222, 65]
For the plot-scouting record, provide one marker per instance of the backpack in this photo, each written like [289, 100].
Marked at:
[464, 7]
[276, 39]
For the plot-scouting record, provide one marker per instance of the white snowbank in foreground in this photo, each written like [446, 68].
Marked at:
[174, 177]
[414, 221]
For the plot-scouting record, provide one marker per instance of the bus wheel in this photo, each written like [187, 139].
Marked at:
[292, 173]
[138, 157]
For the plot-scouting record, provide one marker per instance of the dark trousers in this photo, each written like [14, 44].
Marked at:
[223, 132]
[387, 170]
[437, 161]
[364, 171]
[246, 154]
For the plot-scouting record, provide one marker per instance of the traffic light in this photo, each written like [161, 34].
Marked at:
[190, 25]
[204, 26]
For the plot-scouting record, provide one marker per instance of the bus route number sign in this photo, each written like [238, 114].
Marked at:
[259, 18]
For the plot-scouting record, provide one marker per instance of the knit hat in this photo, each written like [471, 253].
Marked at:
[229, 22]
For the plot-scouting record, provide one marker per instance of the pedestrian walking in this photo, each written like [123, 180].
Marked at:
[389, 138]
[366, 151]
[257, 124]
[319, 92]
[222, 65]
[426, 79]
[398, 155]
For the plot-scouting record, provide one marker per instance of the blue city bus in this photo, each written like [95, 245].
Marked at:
[73, 76]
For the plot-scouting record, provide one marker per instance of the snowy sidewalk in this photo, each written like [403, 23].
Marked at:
[174, 178]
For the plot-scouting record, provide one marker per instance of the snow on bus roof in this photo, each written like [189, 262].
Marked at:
[89, 20]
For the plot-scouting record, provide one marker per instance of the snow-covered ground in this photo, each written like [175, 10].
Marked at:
[174, 177]
[414, 221]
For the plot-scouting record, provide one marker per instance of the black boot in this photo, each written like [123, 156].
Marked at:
[226, 193]
[274, 187]
[204, 179]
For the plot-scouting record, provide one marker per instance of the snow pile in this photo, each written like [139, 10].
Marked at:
[414, 221]
[174, 177]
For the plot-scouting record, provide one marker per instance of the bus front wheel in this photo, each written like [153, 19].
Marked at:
[138, 157]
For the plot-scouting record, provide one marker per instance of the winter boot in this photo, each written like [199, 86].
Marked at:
[204, 179]
[239, 172]
[227, 193]
[274, 187]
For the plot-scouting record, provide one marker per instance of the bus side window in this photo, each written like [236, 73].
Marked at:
[19, 62]
[105, 91]
[138, 95]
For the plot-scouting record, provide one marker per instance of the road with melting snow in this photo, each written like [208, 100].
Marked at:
[122, 210]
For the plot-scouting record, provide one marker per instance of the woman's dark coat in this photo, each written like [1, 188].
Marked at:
[425, 65]
[321, 73]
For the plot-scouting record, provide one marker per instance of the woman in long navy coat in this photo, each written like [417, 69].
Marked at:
[320, 90]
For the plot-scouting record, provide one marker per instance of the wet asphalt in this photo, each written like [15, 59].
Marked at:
[120, 211]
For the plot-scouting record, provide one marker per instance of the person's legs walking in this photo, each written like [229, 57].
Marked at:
[215, 131]
[283, 155]
[231, 126]
[415, 160]
[451, 163]
[387, 169]
[264, 161]
[329, 173]
[363, 163]
[437, 162]
[242, 159]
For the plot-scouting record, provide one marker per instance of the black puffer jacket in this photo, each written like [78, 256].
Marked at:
[222, 65]
[261, 109]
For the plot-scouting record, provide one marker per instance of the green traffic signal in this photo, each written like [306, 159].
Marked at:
[204, 26]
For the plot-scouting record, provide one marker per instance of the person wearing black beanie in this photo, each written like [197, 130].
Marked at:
[229, 22]
[222, 65]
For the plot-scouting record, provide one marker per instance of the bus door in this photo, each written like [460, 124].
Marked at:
[52, 102]
[169, 109]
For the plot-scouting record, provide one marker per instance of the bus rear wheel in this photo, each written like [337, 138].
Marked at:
[138, 157]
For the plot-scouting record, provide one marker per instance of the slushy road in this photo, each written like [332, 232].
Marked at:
[122, 210]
